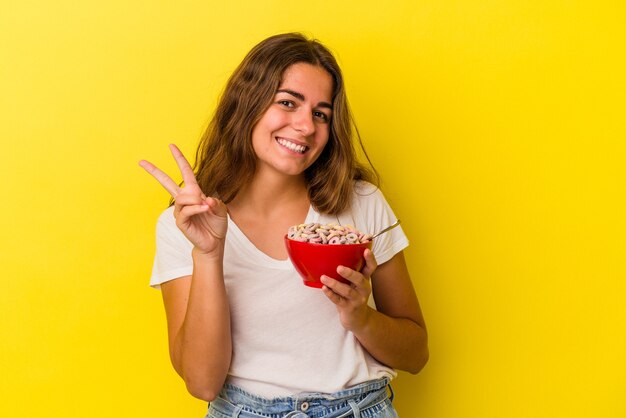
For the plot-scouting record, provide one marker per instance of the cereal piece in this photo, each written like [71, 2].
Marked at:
[332, 234]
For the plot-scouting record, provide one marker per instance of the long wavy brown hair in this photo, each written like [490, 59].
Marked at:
[225, 159]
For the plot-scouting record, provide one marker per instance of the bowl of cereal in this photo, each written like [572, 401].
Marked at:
[318, 249]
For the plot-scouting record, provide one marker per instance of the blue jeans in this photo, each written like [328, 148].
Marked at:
[369, 399]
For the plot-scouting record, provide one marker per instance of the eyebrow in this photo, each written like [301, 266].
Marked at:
[301, 97]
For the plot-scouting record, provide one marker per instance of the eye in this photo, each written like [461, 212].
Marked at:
[286, 103]
[321, 116]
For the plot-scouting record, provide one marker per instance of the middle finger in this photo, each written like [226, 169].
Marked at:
[185, 168]
[354, 277]
[342, 289]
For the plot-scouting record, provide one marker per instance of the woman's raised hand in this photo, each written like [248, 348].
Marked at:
[202, 219]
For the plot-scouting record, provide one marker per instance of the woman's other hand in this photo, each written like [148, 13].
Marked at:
[351, 298]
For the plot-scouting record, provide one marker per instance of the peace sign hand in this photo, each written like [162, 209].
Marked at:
[203, 220]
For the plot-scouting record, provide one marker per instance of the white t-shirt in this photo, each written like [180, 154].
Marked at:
[287, 337]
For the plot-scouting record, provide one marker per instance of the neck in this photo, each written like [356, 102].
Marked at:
[269, 194]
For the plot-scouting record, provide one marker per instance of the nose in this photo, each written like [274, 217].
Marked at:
[303, 122]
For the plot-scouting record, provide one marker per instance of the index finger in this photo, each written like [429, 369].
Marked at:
[184, 166]
[165, 180]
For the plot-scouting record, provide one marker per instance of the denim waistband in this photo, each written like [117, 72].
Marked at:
[341, 403]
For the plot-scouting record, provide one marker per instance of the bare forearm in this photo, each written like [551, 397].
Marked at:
[399, 343]
[202, 349]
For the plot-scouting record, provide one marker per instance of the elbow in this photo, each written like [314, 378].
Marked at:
[198, 388]
[421, 353]
[420, 361]
[204, 392]
[204, 383]
[206, 387]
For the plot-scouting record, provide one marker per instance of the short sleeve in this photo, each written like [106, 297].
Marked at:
[173, 251]
[372, 210]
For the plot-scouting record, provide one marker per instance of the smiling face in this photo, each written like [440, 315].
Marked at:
[293, 131]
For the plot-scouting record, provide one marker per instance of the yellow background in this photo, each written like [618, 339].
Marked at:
[498, 127]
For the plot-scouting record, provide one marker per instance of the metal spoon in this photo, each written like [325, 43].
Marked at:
[396, 223]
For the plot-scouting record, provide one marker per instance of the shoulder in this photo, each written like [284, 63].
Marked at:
[173, 251]
[368, 207]
[167, 216]
[364, 187]
[367, 195]
[371, 213]
[166, 220]
[167, 231]
[169, 238]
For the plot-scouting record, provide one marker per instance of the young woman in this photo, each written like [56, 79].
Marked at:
[244, 332]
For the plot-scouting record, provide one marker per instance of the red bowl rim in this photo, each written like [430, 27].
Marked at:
[317, 244]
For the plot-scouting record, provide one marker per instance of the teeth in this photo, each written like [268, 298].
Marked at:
[292, 146]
